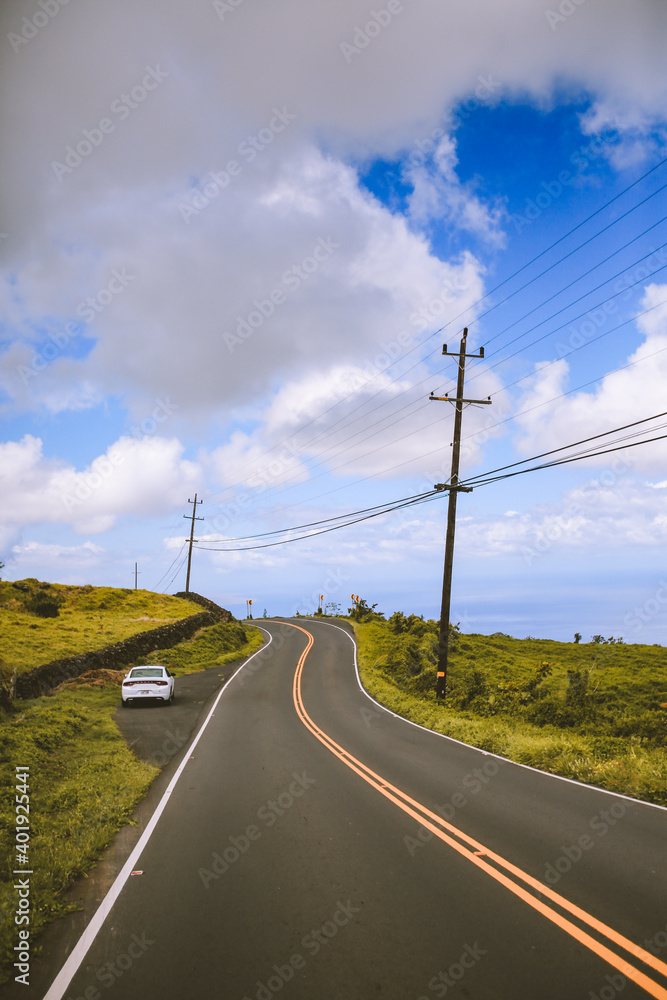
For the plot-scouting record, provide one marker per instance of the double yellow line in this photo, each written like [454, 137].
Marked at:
[493, 864]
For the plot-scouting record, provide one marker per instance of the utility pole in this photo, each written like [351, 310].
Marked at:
[191, 539]
[136, 573]
[454, 490]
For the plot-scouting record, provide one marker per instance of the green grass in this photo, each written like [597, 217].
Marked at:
[84, 781]
[89, 618]
[210, 647]
[590, 711]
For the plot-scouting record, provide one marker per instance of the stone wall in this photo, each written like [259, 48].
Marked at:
[226, 616]
[36, 682]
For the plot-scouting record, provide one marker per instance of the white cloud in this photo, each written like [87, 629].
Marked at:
[608, 512]
[632, 393]
[632, 134]
[437, 194]
[427, 58]
[66, 563]
[133, 477]
[334, 275]
[246, 462]
[276, 78]
[354, 422]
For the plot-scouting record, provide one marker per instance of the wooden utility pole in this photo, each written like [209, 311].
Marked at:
[192, 538]
[454, 490]
[136, 574]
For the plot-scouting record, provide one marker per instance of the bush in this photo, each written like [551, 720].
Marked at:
[362, 612]
[43, 604]
[550, 711]
[475, 685]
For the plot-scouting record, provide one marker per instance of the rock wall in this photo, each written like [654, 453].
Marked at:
[204, 602]
[36, 682]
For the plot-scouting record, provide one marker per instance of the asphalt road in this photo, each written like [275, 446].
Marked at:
[314, 846]
[155, 731]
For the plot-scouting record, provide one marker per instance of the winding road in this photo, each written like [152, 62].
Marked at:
[312, 845]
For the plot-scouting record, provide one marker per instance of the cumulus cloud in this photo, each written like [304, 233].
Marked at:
[611, 510]
[290, 117]
[634, 392]
[335, 274]
[437, 193]
[133, 477]
[355, 422]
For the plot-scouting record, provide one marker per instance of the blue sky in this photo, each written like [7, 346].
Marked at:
[234, 240]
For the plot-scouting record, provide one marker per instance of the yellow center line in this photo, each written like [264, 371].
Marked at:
[437, 826]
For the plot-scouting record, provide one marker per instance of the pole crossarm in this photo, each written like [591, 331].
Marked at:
[459, 354]
[453, 399]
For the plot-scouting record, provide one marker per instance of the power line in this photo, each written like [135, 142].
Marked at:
[324, 531]
[172, 563]
[544, 302]
[569, 305]
[422, 405]
[499, 423]
[178, 569]
[334, 468]
[364, 431]
[428, 497]
[483, 479]
[571, 252]
[588, 310]
[575, 444]
[311, 524]
[574, 458]
[574, 350]
[486, 295]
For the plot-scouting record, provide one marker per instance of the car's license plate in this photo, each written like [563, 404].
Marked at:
[144, 692]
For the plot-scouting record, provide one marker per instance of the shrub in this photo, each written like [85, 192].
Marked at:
[475, 685]
[549, 711]
[363, 613]
[43, 604]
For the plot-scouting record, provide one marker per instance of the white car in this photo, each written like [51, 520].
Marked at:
[145, 683]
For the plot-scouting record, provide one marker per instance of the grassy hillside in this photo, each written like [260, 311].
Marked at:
[596, 712]
[79, 619]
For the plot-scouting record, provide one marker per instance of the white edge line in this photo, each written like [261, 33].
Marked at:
[61, 983]
[487, 753]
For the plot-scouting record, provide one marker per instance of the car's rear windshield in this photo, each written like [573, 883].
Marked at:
[147, 672]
